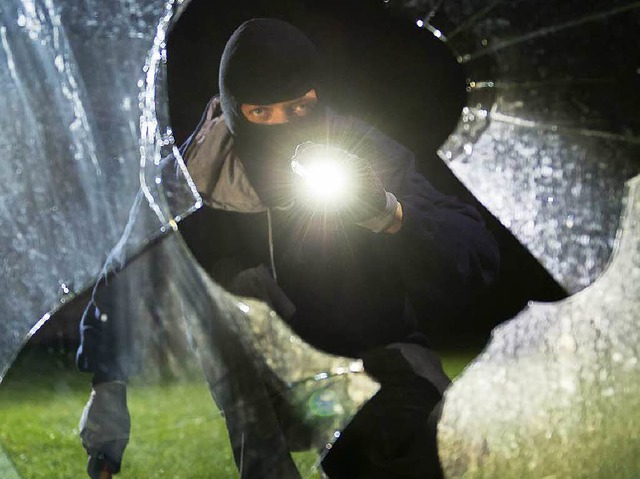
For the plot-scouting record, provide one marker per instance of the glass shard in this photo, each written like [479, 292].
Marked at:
[550, 133]
[555, 394]
[82, 95]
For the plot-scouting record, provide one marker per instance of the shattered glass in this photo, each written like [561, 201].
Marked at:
[550, 132]
[85, 130]
[82, 131]
[547, 142]
[276, 392]
[555, 394]
[92, 180]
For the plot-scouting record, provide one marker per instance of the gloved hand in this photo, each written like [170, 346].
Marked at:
[104, 428]
[344, 183]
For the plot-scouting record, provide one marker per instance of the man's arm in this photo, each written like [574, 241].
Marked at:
[110, 345]
[444, 251]
[105, 423]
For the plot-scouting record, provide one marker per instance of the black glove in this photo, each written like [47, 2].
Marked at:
[351, 187]
[104, 427]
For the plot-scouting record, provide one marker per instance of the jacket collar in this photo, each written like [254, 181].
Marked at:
[217, 172]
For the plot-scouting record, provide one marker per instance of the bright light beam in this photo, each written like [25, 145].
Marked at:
[325, 180]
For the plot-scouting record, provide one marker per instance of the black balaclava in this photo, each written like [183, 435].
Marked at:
[268, 61]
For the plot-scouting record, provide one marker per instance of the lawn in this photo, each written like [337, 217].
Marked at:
[176, 430]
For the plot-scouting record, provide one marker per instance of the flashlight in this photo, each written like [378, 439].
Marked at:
[324, 177]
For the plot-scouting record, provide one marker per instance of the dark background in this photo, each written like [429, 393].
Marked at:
[380, 67]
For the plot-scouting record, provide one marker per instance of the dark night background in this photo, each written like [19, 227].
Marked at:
[382, 68]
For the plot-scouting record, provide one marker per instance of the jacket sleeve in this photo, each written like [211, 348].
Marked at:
[107, 326]
[105, 337]
[443, 250]
[129, 312]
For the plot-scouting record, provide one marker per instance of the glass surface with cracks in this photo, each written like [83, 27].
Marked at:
[548, 140]
[274, 393]
[550, 133]
[555, 393]
[85, 126]
[92, 181]
[70, 183]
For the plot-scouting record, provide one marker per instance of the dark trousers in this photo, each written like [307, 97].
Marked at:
[394, 434]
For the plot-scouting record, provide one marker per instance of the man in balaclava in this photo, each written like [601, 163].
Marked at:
[364, 281]
[343, 282]
[266, 62]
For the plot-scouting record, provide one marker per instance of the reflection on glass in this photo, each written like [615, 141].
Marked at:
[533, 144]
[77, 113]
[85, 141]
[556, 391]
[551, 114]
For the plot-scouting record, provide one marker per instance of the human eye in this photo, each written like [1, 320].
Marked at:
[302, 109]
[260, 113]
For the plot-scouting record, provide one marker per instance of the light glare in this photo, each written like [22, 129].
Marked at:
[325, 179]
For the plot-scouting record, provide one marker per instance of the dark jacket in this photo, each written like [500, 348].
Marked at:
[341, 287]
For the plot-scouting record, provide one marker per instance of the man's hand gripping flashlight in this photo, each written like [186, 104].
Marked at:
[323, 176]
[334, 181]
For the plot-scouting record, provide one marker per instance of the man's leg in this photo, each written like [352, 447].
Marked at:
[394, 434]
[237, 385]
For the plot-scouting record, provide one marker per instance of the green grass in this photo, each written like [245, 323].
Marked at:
[176, 430]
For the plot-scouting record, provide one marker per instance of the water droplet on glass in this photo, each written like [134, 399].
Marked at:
[59, 63]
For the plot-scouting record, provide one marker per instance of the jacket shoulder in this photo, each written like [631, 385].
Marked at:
[208, 147]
